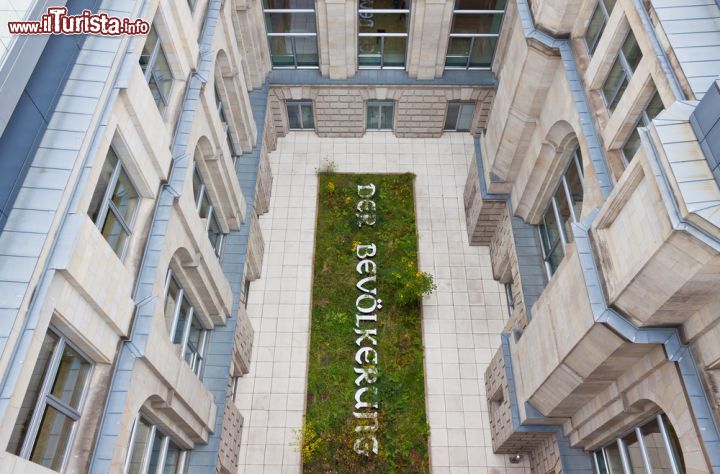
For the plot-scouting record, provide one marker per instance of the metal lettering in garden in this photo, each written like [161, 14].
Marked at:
[367, 306]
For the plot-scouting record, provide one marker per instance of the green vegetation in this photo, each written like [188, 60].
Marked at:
[328, 436]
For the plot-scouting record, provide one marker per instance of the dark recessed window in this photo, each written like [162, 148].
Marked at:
[157, 71]
[380, 115]
[152, 451]
[654, 107]
[459, 116]
[599, 19]
[300, 115]
[622, 70]
[474, 33]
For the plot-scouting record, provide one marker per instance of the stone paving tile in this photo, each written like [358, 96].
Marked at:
[461, 320]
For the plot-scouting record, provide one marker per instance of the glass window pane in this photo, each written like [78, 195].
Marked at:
[138, 448]
[386, 115]
[369, 45]
[631, 50]
[148, 48]
[52, 439]
[384, 4]
[295, 22]
[114, 232]
[480, 4]
[369, 61]
[171, 298]
[293, 116]
[595, 29]
[162, 74]
[674, 444]
[632, 145]
[281, 52]
[654, 107]
[292, 4]
[307, 116]
[614, 85]
[31, 395]
[476, 23]
[614, 461]
[155, 452]
[125, 197]
[172, 459]
[214, 233]
[637, 463]
[564, 210]
[394, 51]
[197, 182]
[382, 22]
[306, 50]
[458, 52]
[482, 52]
[466, 115]
[609, 5]
[155, 92]
[453, 111]
[71, 376]
[182, 318]
[204, 205]
[550, 230]
[373, 117]
[600, 460]
[660, 459]
[575, 187]
[556, 255]
[103, 182]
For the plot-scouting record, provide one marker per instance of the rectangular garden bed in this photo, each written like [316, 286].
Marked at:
[366, 388]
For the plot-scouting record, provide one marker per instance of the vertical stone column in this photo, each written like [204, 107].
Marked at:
[430, 22]
[250, 32]
[337, 37]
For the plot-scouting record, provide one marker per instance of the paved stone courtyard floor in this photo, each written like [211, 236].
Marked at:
[461, 320]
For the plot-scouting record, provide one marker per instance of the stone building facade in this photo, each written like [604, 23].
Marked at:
[135, 169]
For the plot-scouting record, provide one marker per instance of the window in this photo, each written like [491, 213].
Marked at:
[382, 33]
[597, 23]
[207, 212]
[225, 124]
[652, 447]
[380, 115]
[292, 33]
[654, 107]
[52, 405]
[245, 293]
[152, 451]
[191, 4]
[509, 296]
[184, 326]
[114, 204]
[474, 33]
[565, 207]
[622, 70]
[300, 115]
[459, 116]
[157, 72]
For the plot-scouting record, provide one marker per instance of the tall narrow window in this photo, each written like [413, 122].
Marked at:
[599, 19]
[380, 115]
[292, 33]
[510, 297]
[382, 33]
[52, 405]
[207, 212]
[300, 115]
[474, 33]
[651, 447]
[157, 71]
[114, 204]
[564, 209]
[459, 116]
[622, 70]
[153, 452]
[654, 107]
[184, 326]
[225, 124]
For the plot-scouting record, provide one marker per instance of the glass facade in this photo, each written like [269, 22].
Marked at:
[474, 33]
[292, 33]
[383, 33]
[564, 209]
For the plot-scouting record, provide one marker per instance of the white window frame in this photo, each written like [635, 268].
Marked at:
[147, 451]
[211, 217]
[292, 36]
[198, 357]
[158, 49]
[382, 36]
[553, 208]
[473, 37]
[461, 105]
[45, 398]
[381, 104]
[624, 456]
